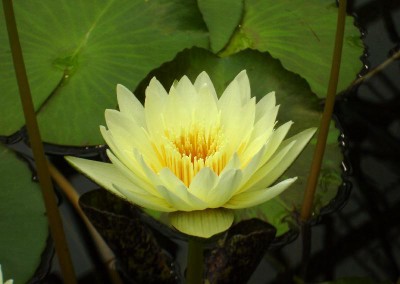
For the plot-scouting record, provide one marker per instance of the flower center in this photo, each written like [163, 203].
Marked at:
[193, 148]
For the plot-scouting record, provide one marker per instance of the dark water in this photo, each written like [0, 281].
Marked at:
[362, 239]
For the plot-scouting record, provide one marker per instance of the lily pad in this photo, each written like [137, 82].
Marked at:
[77, 51]
[221, 25]
[266, 74]
[301, 35]
[23, 221]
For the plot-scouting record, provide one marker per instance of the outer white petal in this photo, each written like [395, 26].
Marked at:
[238, 122]
[203, 182]
[156, 97]
[244, 86]
[141, 183]
[104, 174]
[275, 141]
[202, 82]
[177, 193]
[260, 179]
[146, 201]
[265, 104]
[228, 183]
[204, 224]
[301, 141]
[126, 156]
[130, 105]
[286, 154]
[128, 136]
[253, 198]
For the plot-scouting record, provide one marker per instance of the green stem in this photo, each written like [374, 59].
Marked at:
[326, 116]
[53, 214]
[195, 262]
[321, 142]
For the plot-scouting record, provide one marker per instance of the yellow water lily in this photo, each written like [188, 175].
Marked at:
[194, 155]
[1, 278]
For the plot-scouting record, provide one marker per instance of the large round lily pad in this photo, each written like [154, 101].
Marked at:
[301, 35]
[23, 222]
[76, 52]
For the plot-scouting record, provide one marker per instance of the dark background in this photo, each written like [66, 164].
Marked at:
[363, 238]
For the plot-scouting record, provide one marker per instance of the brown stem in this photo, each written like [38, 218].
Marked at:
[326, 117]
[106, 254]
[53, 215]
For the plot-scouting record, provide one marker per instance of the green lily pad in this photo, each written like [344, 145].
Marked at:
[221, 25]
[266, 74]
[301, 35]
[23, 221]
[76, 52]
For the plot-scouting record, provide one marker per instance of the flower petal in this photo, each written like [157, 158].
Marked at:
[145, 200]
[156, 97]
[104, 174]
[129, 105]
[228, 183]
[253, 198]
[265, 104]
[301, 139]
[203, 81]
[141, 183]
[203, 224]
[204, 181]
[177, 193]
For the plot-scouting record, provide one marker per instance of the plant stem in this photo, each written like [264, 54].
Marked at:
[55, 221]
[326, 117]
[321, 142]
[195, 262]
[106, 255]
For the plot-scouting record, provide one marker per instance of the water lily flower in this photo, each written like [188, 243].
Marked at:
[10, 281]
[194, 155]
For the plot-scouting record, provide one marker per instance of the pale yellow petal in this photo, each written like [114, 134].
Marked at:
[156, 97]
[139, 182]
[202, 82]
[244, 86]
[126, 156]
[260, 179]
[145, 200]
[128, 136]
[203, 224]
[228, 184]
[301, 141]
[129, 105]
[253, 198]
[265, 104]
[204, 181]
[275, 141]
[177, 193]
[104, 174]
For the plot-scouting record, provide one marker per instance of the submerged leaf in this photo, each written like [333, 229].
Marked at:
[140, 256]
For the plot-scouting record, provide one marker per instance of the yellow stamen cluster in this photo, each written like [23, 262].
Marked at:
[193, 148]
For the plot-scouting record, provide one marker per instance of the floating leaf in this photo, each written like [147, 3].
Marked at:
[222, 17]
[293, 94]
[77, 51]
[23, 222]
[301, 35]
